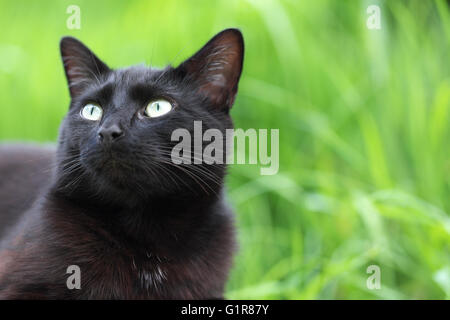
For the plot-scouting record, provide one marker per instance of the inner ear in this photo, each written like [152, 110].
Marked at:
[81, 65]
[216, 68]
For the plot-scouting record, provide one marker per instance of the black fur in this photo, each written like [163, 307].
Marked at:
[138, 226]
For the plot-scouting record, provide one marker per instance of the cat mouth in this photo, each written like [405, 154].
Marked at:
[114, 167]
[110, 164]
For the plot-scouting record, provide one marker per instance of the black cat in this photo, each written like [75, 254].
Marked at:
[109, 199]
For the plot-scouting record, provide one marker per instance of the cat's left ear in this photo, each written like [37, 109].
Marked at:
[216, 68]
[81, 65]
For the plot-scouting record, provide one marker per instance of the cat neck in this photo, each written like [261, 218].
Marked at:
[160, 223]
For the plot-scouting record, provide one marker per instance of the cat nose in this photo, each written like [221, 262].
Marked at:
[110, 134]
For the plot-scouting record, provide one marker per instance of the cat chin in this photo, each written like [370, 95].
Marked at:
[113, 173]
[121, 183]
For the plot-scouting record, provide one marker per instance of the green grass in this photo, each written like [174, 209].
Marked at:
[363, 117]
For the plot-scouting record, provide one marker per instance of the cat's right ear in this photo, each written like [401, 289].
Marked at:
[81, 65]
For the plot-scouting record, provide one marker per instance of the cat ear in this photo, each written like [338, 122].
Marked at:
[217, 67]
[81, 65]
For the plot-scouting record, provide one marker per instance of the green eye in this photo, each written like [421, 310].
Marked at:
[158, 108]
[92, 112]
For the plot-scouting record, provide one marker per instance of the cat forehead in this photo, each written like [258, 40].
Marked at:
[135, 74]
[133, 80]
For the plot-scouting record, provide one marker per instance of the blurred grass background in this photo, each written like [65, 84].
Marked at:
[363, 117]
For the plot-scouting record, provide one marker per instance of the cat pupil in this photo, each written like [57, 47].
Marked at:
[92, 110]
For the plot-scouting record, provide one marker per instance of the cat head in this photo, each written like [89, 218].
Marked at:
[115, 142]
